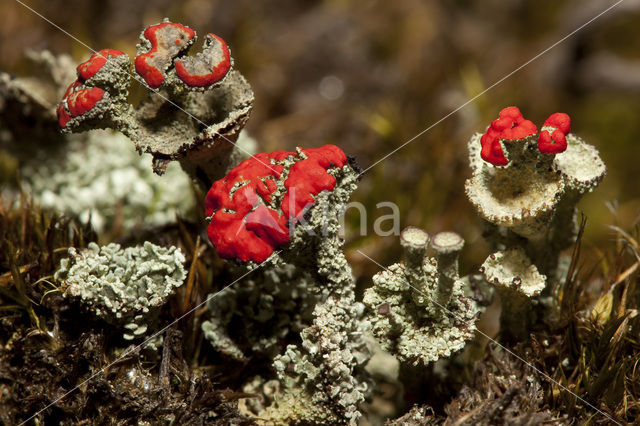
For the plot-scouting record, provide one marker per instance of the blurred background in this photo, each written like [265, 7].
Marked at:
[370, 75]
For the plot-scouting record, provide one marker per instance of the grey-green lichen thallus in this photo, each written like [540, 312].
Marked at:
[418, 309]
[124, 287]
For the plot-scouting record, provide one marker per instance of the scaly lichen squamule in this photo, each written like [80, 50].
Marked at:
[122, 286]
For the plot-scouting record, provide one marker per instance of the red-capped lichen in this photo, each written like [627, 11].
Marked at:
[509, 126]
[532, 202]
[208, 67]
[81, 96]
[203, 86]
[247, 221]
[77, 101]
[553, 136]
[165, 41]
[90, 67]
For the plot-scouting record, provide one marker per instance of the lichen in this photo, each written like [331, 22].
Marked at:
[322, 379]
[193, 119]
[122, 286]
[403, 305]
[265, 310]
[318, 380]
[254, 208]
[530, 199]
[99, 177]
[517, 281]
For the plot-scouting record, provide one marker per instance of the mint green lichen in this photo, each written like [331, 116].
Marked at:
[322, 380]
[404, 305]
[122, 286]
[270, 307]
[98, 176]
[518, 282]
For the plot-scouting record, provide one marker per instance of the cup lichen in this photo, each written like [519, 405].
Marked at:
[409, 321]
[287, 214]
[529, 195]
[517, 281]
[193, 119]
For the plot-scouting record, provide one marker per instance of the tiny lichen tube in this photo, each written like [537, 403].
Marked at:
[415, 242]
[447, 246]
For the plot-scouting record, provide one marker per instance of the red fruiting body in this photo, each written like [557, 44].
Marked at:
[229, 230]
[78, 98]
[77, 101]
[211, 70]
[559, 124]
[89, 68]
[71, 88]
[244, 222]
[492, 153]
[509, 126]
[560, 121]
[267, 224]
[309, 177]
[83, 100]
[167, 41]
[63, 116]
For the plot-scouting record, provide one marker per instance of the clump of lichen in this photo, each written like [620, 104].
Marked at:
[528, 194]
[261, 314]
[194, 122]
[99, 177]
[324, 378]
[526, 185]
[324, 381]
[410, 315]
[321, 378]
[122, 286]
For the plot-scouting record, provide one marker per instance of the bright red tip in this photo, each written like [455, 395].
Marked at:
[90, 67]
[510, 126]
[552, 138]
[246, 222]
[209, 67]
[167, 41]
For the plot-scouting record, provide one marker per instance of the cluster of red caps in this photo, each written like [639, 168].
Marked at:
[245, 223]
[512, 126]
[168, 40]
[80, 97]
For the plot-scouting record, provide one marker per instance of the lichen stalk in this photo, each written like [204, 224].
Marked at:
[518, 282]
[335, 341]
[415, 242]
[200, 106]
[447, 246]
[289, 214]
[417, 330]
